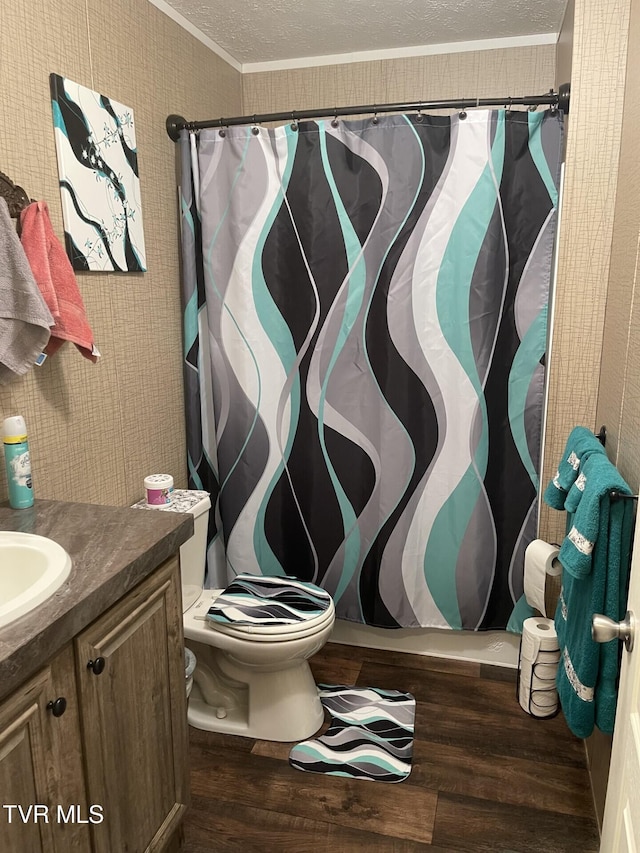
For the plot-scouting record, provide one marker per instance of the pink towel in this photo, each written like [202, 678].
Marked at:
[54, 275]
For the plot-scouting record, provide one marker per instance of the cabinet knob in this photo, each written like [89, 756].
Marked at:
[57, 706]
[97, 665]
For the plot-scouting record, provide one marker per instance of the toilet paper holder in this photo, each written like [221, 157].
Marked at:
[552, 659]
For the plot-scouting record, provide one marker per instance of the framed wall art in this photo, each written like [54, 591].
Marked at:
[99, 180]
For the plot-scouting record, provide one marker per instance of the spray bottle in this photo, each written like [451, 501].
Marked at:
[17, 461]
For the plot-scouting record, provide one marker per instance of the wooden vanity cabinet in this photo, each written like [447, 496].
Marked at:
[130, 673]
[119, 750]
[41, 764]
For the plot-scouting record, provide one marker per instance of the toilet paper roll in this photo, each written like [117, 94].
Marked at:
[541, 698]
[539, 658]
[538, 703]
[538, 676]
[538, 635]
[540, 560]
[544, 661]
[543, 673]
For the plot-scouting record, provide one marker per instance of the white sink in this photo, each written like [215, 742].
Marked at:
[32, 568]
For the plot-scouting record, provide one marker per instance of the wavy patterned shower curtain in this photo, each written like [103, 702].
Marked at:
[365, 331]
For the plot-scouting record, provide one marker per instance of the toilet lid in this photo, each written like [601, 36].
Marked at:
[259, 604]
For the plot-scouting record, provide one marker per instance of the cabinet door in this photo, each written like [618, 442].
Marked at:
[134, 716]
[41, 765]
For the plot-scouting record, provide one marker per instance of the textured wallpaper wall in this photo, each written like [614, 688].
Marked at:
[619, 391]
[476, 74]
[97, 430]
[600, 35]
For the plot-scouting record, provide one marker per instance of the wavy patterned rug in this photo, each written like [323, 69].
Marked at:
[370, 735]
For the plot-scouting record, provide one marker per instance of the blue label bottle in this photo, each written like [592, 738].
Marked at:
[18, 462]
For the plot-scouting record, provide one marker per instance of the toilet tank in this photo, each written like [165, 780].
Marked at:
[193, 553]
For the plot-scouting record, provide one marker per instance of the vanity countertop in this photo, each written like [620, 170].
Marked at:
[112, 550]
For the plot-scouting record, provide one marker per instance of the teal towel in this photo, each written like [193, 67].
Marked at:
[581, 444]
[595, 559]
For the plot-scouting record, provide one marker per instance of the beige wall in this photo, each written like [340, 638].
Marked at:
[584, 249]
[564, 48]
[96, 431]
[619, 388]
[475, 74]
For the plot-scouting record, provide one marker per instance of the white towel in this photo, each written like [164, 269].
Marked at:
[25, 319]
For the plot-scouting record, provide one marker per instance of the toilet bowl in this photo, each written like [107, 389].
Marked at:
[252, 643]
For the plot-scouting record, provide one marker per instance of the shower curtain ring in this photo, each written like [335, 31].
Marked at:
[334, 122]
[255, 129]
[463, 112]
[419, 116]
[223, 131]
[375, 118]
[294, 121]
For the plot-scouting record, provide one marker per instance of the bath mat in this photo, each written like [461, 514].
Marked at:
[370, 735]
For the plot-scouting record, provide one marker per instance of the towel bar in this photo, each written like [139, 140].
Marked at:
[601, 435]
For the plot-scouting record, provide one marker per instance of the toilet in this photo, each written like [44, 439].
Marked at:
[252, 642]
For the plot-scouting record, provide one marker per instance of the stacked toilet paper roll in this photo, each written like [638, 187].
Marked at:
[540, 562]
[539, 657]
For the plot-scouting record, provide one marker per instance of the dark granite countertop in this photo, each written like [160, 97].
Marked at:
[112, 550]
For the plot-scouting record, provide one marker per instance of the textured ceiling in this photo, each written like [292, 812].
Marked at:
[254, 31]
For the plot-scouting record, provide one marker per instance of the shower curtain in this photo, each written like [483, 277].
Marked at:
[365, 316]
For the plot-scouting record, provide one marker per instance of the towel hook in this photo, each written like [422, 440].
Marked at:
[15, 196]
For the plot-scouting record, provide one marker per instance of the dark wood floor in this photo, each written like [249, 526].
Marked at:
[485, 777]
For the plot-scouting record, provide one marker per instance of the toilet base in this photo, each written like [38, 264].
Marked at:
[234, 699]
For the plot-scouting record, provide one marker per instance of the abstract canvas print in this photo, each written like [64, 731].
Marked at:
[99, 181]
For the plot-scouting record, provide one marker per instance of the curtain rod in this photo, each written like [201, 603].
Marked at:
[176, 123]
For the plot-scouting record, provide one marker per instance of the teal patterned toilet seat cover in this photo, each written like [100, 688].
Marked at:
[260, 600]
